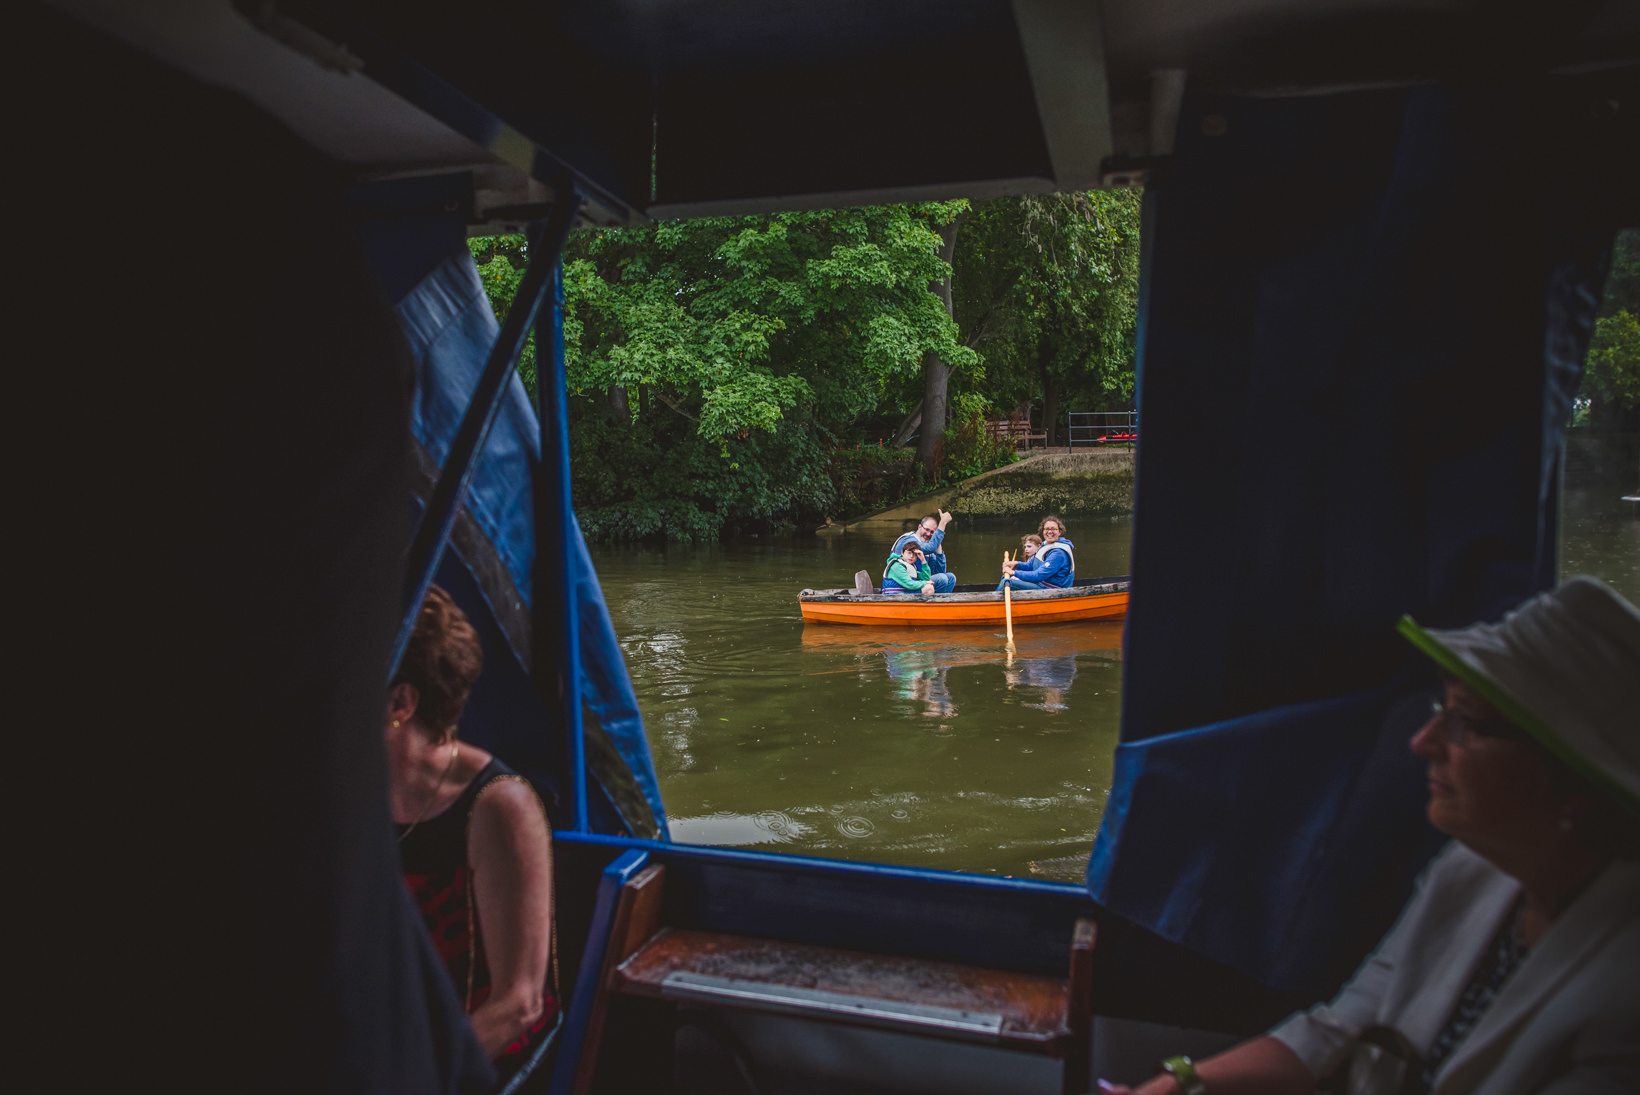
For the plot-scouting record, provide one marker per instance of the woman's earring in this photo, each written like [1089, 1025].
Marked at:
[395, 722]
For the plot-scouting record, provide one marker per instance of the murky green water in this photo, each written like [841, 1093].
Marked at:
[1600, 535]
[920, 746]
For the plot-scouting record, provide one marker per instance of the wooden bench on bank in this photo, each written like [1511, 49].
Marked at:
[1015, 430]
[1047, 1016]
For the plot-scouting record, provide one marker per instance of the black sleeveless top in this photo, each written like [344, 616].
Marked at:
[434, 858]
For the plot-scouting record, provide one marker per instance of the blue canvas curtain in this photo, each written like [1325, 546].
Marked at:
[1362, 319]
[416, 237]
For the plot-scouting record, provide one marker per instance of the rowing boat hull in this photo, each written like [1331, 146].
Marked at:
[962, 609]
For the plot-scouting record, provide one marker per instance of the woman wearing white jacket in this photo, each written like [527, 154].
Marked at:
[1515, 967]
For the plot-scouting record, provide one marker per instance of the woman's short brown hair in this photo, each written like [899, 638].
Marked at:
[442, 662]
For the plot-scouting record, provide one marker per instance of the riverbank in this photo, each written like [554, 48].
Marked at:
[1075, 485]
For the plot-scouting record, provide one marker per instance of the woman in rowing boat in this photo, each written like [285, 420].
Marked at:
[1052, 567]
[1512, 970]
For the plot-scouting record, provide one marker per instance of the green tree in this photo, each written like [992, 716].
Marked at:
[718, 359]
[1611, 370]
[1047, 291]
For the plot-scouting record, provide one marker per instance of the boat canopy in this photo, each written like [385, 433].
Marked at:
[1330, 268]
[674, 108]
[415, 237]
[1379, 226]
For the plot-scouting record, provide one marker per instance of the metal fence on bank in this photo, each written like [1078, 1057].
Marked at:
[1102, 427]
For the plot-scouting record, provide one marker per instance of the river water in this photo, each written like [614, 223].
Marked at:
[922, 746]
[929, 747]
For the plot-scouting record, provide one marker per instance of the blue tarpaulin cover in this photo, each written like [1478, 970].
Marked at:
[1352, 395]
[449, 323]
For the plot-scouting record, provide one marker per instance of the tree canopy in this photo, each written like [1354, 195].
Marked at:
[1611, 371]
[722, 364]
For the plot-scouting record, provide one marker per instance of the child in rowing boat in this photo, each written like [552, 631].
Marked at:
[1051, 567]
[909, 573]
[1029, 545]
[929, 535]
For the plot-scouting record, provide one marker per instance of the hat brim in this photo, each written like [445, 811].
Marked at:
[1515, 711]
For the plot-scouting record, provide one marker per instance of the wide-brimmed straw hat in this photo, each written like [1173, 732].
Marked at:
[1564, 667]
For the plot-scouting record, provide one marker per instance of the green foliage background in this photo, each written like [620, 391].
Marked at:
[1611, 371]
[735, 373]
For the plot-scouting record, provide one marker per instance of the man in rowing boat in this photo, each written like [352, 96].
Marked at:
[1052, 567]
[928, 536]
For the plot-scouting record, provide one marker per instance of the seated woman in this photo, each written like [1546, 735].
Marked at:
[1052, 567]
[1514, 967]
[909, 573]
[473, 839]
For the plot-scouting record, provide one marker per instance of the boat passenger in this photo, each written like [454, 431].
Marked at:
[1052, 567]
[473, 839]
[909, 573]
[930, 536]
[1029, 545]
[1513, 967]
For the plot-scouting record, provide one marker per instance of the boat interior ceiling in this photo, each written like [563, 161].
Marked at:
[1337, 255]
[671, 108]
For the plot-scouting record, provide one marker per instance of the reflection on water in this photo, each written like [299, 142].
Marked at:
[928, 746]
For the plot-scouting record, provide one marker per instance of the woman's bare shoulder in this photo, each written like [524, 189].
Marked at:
[511, 802]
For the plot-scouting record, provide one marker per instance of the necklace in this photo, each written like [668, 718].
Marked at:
[455, 747]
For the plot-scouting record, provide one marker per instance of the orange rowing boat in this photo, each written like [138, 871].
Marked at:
[1089, 599]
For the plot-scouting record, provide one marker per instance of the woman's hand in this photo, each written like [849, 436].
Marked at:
[928, 589]
[1262, 1066]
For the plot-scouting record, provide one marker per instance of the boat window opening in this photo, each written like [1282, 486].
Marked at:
[1599, 526]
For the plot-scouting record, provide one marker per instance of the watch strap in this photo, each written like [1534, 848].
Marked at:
[1183, 1069]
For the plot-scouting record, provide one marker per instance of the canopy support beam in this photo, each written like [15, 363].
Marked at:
[557, 621]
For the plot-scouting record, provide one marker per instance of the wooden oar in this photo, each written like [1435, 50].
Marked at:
[1008, 600]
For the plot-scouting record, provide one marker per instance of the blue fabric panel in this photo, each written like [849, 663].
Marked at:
[450, 327]
[1276, 843]
[606, 685]
[1346, 417]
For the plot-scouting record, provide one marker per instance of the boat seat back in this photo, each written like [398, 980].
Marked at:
[649, 960]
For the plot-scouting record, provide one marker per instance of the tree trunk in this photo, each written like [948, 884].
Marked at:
[936, 378]
[1050, 413]
[619, 403]
[936, 373]
[907, 425]
[1050, 394]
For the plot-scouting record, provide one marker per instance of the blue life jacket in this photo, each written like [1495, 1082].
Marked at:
[892, 586]
[1052, 565]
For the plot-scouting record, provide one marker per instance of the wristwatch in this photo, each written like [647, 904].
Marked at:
[1183, 1069]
